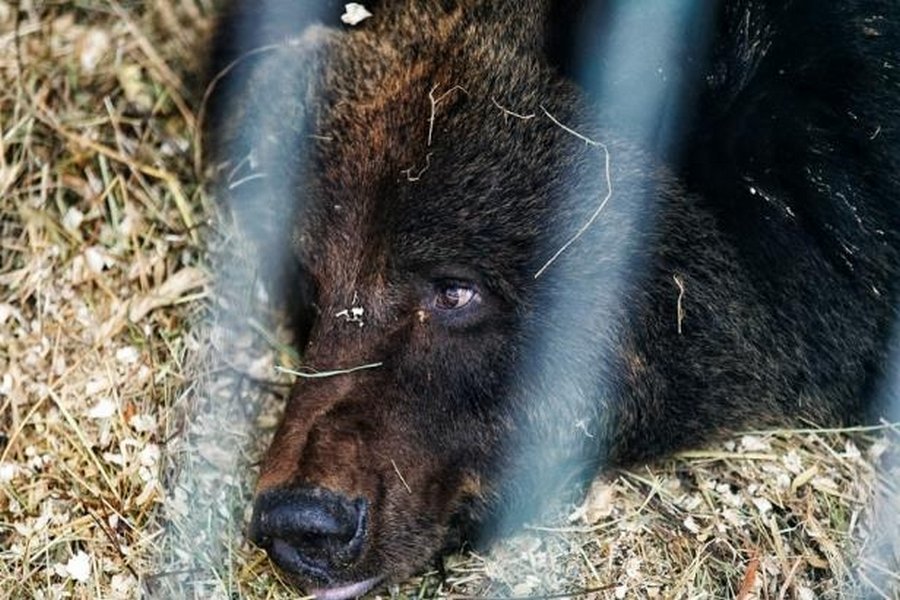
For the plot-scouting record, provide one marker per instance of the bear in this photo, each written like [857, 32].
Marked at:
[503, 281]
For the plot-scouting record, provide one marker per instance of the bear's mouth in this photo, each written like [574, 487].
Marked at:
[350, 590]
[289, 560]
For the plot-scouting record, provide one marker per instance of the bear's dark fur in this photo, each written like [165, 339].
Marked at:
[424, 167]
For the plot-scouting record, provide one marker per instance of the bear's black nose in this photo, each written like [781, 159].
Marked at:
[311, 532]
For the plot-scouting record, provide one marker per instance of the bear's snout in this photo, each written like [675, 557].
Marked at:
[310, 532]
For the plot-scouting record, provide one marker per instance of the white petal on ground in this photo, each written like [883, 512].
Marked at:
[104, 409]
[79, 567]
[127, 355]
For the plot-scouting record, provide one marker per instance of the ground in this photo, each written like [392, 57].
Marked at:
[138, 385]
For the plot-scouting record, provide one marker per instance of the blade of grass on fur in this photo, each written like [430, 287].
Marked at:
[322, 374]
[272, 340]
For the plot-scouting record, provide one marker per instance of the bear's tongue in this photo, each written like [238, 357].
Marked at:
[351, 590]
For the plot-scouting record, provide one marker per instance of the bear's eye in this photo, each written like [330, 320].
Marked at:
[454, 295]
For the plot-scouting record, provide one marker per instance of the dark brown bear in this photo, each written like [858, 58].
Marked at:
[518, 282]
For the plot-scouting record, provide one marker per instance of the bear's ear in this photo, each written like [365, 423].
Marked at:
[255, 120]
[246, 25]
[256, 104]
[247, 33]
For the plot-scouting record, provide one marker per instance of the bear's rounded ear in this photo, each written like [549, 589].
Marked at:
[248, 36]
[255, 119]
[246, 25]
[260, 94]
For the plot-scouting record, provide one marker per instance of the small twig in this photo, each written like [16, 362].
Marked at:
[789, 580]
[679, 307]
[417, 176]
[825, 430]
[115, 542]
[270, 385]
[717, 455]
[749, 578]
[435, 102]
[508, 113]
[582, 425]
[20, 64]
[568, 129]
[609, 191]
[247, 179]
[574, 594]
[400, 475]
[25, 422]
[247, 160]
[323, 374]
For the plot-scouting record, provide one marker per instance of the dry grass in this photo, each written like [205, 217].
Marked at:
[100, 277]
[133, 406]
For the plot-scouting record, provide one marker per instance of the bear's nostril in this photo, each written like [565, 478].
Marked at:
[311, 531]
